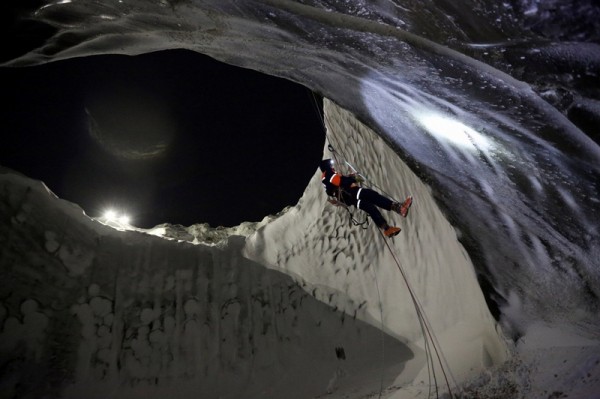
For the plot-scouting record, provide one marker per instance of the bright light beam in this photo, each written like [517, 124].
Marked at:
[110, 214]
[112, 217]
[453, 131]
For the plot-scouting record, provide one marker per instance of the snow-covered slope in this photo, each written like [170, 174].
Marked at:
[88, 311]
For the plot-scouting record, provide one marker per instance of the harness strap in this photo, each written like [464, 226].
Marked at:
[353, 221]
[336, 200]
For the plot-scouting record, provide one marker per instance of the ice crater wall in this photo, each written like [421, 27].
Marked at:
[88, 310]
[315, 243]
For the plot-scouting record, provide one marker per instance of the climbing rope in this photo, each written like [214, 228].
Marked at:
[331, 145]
[430, 342]
[381, 332]
[337, 201]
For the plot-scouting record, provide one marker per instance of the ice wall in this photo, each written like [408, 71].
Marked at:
[352, 268]
[91, 311]
[88, 311]
[463, 93]
[480, 65]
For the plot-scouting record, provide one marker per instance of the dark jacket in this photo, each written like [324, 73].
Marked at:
[339, 186]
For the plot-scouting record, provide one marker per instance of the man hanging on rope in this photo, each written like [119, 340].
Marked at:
[346, 189]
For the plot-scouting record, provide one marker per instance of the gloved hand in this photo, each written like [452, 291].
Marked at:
[359, 179]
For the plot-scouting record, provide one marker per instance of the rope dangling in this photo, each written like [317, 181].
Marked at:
[336, 200]
[429, 338]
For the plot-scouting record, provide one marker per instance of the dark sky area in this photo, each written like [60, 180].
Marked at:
[170, 136]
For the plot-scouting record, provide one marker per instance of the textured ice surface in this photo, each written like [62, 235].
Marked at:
[126, 314]
[475, 99]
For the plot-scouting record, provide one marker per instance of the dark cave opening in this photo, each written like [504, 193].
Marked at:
[168, 137]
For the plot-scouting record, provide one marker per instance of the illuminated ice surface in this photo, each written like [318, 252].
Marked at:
[468, 113]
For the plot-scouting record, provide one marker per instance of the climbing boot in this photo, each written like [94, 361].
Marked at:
[403, 208]
[391, 231]
[406, 206]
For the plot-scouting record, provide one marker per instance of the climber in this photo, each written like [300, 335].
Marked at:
[346, 190]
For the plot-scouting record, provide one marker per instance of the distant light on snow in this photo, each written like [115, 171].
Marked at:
[110, 214]
[453, 131]
[116, 219]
